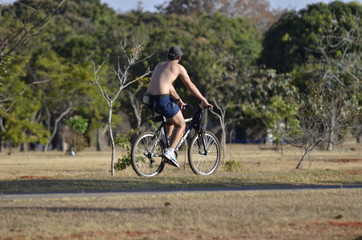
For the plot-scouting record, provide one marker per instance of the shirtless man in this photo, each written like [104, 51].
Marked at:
[166, 97]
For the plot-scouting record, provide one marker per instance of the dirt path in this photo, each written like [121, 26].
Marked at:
[92, 194]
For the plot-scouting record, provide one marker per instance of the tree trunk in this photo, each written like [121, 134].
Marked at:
[221, 117]
[223, 139]
[62, 145]
[307, 150]
[136, 108]
[332, 126]
[23, 147]
[231, 134]
[100, 137]
[98, 141]
[55, 129]
[2, 129]
[302, 158]
[112, 138]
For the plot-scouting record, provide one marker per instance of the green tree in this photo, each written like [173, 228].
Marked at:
[65, 88]
[291, 41]
[258, 12]
[321, 45]
[218, 52]
[59, 55]
[272, 99]
[21, 21]
[18, 121]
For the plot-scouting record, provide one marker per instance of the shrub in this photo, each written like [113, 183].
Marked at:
[232, 166]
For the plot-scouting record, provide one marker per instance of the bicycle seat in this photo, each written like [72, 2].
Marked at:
[158, 118]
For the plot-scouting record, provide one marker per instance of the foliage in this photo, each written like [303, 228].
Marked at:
[123, 163]
[321, 45]
[330, 105]
[19, 103]
[4, 64]
[132, 56]
[232, 166]
[291, 41]
[58, 69]
[79, 126]
[272, 99]
[126, 143]
[49, 79]
[332, 88]
[77, 142]
[257, 11]
[77, 123]
[22, 21]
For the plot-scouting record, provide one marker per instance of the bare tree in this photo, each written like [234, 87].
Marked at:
[222, 120]
[314, 129]
[136, 104]
[122, 75]
[340, 51]
[137, 107]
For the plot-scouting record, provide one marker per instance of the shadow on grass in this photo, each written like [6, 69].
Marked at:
[83, 185]
[138, 184]
[84, 209]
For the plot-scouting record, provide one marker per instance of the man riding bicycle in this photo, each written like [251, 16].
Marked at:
[168, 102]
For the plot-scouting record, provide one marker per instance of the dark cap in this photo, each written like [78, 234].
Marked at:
[174, 53]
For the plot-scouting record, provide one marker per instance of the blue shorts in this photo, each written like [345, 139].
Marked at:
[166, 105]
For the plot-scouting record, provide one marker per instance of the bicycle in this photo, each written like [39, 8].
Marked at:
[203, 153]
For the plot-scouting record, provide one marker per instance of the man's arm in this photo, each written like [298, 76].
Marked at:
[174, 94]
[191, 86]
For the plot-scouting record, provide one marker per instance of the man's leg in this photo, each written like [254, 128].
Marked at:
[169, 129]
[178, 125]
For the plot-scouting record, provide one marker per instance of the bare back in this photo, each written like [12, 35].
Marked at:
[163, 76]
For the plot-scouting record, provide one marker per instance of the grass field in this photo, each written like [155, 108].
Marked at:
[298, 214]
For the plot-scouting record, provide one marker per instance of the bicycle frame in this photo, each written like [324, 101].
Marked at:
[161, 131]
[203, 154]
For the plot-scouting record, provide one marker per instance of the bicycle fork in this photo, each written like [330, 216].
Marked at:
[202, 144]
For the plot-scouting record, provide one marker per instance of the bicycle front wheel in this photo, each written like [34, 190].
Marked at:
[204, 153]
[146, 155]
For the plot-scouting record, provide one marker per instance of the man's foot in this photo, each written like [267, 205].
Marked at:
[169, 154]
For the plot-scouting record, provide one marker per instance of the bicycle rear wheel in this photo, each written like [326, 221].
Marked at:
[146, 155]
[204, 153]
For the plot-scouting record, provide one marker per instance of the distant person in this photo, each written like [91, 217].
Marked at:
[168, 102]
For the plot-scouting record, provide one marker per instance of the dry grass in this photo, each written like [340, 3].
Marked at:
[89, 170]
[307, 214]
[283, 215]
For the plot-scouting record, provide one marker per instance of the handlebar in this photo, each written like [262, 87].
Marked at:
[199, 107]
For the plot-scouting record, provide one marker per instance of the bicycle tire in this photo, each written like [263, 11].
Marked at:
[201, 162]
[146, 155]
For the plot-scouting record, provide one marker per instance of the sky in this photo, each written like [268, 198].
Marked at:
[148, 5]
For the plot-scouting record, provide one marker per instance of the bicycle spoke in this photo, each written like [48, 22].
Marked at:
[204, 154]
[146, 155]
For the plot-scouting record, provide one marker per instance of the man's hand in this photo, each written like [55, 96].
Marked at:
[181, 104]
[206, 104]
